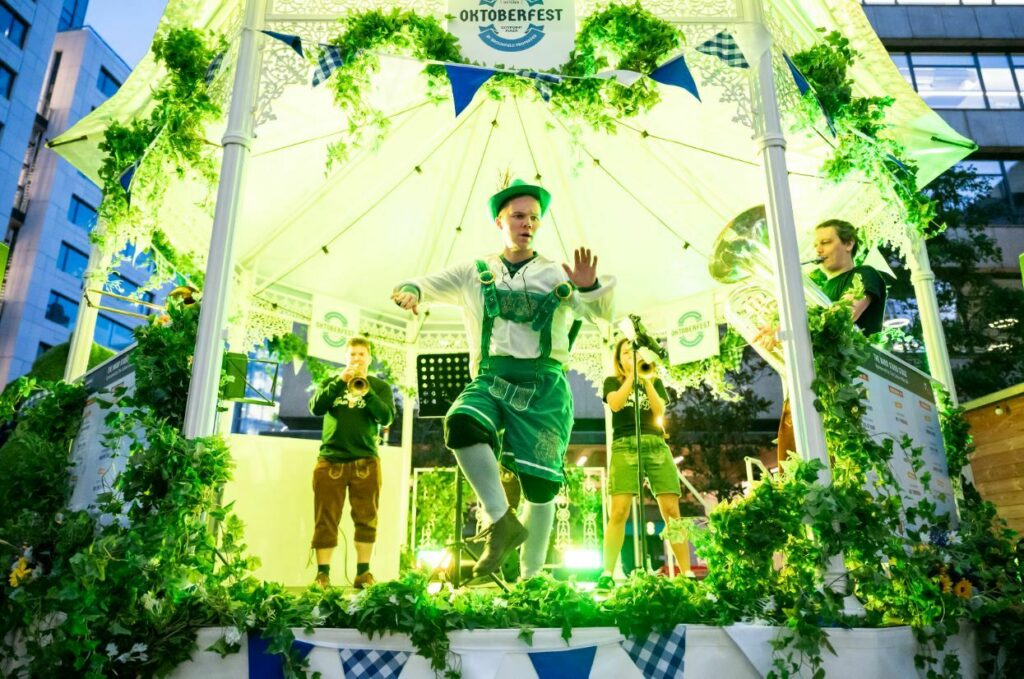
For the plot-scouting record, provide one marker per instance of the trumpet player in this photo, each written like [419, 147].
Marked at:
[658, 465]
[354, 406]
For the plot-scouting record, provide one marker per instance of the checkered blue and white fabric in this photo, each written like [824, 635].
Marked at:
[724, 46]
[542, 82]
[370, 663]
[330, 60]
[659, 656]
[214, 67]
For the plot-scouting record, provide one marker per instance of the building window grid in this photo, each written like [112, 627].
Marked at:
[71, 260]
[1014, 63]
[1012, 207]
[12, 25]
[107, 83]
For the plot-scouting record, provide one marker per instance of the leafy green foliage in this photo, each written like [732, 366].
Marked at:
[170, 142]
[163, 362]
[862, 144]
[619, 36]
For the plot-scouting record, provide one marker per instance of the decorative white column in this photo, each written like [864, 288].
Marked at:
[793, 331]
[201, 409]
[408, 413]
[923, 278]
[85, 324]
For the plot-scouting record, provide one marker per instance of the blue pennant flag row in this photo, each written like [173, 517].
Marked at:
[724, 46]
[293, 41]
[465, 81]
[798, 77]
[572, 664]
[675, 72]
[214, 67]
[370, 663]
[266, 665]
[659, 656]
[542, 81]
[330, 60]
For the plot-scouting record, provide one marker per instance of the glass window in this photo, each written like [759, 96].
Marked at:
[81, 213]
[107, 83]
[61, 310]
[72, 260]
[6, 80]
[1004, 181]
[112, 334]
[43, 348]
[964, 80]
[12, 25]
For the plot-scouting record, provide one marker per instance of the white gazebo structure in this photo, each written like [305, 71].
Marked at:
[649, 199]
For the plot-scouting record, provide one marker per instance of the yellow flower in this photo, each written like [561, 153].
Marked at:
[945, 584]
[963, 589]
[19, 572]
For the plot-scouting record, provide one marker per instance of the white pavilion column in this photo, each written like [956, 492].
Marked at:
[793, 330]
[85, 324]
[408, 415]
[923, 278]
[201, 409]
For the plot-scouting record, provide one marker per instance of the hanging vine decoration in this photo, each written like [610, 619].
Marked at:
[712, 371]
[169, 142]
[619, 37]
[861, 143]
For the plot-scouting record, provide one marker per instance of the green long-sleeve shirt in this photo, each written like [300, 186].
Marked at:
[351, 427]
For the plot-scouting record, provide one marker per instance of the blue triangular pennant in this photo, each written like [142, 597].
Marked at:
[572, 664]
[214, 67]
[264, 665]
[724, 46]
[675, 72]
[293, 41]
[125, 180]
[659, 656]
[371, 663]
[798, 77]
[330, 60]
[465, 80]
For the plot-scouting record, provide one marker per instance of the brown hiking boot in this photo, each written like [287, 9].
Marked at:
[322, 580]
[365, 580]
[502, 537]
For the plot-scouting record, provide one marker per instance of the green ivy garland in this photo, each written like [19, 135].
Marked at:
[170, 141]
[861, 145]
[619, 37]
[713, 371]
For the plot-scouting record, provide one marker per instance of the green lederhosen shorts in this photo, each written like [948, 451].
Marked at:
[659, 468]
[528, 399]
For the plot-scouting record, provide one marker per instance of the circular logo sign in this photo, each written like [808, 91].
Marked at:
[690, 329]
[334, 326]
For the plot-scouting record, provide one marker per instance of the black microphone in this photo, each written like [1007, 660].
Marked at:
[641, 338]
[816, 260]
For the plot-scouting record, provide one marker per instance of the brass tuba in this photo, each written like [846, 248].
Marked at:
[741, 255]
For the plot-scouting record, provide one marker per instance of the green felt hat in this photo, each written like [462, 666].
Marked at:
[520, 188]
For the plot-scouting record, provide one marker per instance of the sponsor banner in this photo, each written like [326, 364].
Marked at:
[694, 335]
[332, 324]
[514, 33]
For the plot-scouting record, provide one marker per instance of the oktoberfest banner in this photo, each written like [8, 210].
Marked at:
[514, 33]
[333, 322]
[694, 335]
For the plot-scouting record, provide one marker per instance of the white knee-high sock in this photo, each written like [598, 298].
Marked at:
[481, 469]
[538, 519]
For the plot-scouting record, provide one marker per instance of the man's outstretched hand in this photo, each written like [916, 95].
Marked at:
[584, 271]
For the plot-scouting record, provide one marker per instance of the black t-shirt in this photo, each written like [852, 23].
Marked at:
[623, 423]
[351, 424]
[870, 320]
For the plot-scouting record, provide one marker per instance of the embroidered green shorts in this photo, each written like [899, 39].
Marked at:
[527, 405]
[659, 468]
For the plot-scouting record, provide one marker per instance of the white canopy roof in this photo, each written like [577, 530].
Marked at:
[649, 200]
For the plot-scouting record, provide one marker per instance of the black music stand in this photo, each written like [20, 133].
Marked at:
[440, 378]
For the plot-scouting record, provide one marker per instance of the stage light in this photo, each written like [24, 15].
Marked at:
[650, 528]
[578, 558]
[433, 558]
[581, 460]
[660, 421]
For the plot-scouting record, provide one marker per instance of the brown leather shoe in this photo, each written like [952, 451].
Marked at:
[322, 580]
[365, 580]
[502, 537]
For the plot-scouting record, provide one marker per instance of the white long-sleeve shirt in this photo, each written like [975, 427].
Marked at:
[460, 286]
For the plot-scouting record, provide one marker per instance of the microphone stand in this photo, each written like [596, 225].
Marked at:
[640, 533]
